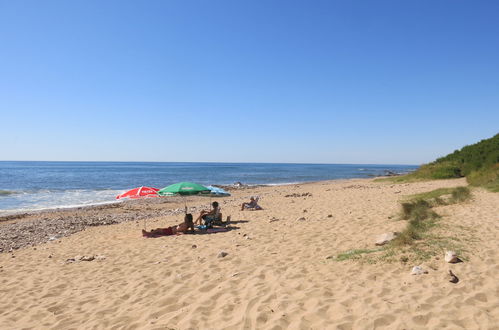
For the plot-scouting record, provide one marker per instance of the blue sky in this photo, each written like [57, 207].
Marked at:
[399, 82]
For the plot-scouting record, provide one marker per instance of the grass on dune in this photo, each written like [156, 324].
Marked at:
[479, 163]
[354, 254]
[416, 240]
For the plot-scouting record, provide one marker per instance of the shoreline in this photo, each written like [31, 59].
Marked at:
[55, 223]
[15, 214]
[16, 230]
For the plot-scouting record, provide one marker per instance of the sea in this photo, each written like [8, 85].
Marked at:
[35, 185]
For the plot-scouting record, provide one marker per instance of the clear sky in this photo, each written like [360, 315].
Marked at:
[397, 82]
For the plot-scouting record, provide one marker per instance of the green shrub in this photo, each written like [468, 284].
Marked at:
[479, 163]
[447, 171]
[460, 194]
[415, 207]
[488, 178]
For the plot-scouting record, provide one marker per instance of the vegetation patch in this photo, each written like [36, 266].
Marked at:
[354, 254]
[442, 196]
[479, 163]
[416, 242]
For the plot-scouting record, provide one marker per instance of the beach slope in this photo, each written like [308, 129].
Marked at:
[281, 270]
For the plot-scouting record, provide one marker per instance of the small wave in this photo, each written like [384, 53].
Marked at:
[48, 199]
[54, 208]
[7, 192]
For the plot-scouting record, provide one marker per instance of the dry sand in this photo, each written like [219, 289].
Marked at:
[277, 274]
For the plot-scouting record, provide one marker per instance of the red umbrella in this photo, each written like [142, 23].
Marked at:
[140, 192]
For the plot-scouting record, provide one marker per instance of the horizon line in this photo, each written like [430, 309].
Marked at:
[205, 162]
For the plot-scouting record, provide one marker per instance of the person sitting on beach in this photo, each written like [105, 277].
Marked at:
[209, 216]
[181, 228]
[252, 205]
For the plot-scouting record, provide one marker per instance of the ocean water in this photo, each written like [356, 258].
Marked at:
[28, 186]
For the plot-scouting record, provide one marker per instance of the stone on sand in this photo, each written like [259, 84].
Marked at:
[418, 270]
[385, 238]
[222, 254]
[451, 257]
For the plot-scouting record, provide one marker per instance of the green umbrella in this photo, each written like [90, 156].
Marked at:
[183, 188]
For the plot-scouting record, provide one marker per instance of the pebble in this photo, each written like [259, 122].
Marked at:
[453, 278]
[222, 254]
[385, 238]
[418, 270]
[194, 246]
[451, 257]
[301, 219]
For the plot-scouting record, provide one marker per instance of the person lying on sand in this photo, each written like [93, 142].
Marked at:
[181, 228]
[252, 205]
[212, 215]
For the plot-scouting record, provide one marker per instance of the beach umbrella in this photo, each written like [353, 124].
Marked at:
[216, 191]
[140, 192]
[183, 189]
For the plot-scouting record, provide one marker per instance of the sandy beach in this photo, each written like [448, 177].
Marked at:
[281, 270]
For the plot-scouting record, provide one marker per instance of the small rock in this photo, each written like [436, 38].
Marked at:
[305, 211]
[194, 246]
[99, 258]
[418, 270]
[329, 215]
[222, 254]
[301, 219]
[50, 256]
[451, 257]
[453, 278]
[385, 238]
[87, 258]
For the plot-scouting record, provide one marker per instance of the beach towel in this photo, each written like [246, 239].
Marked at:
[216, 230]
[212, 230]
